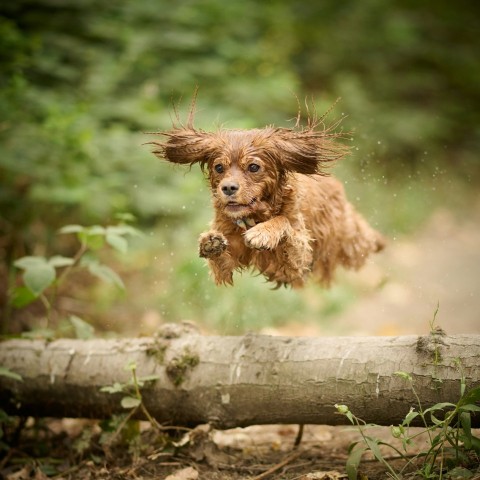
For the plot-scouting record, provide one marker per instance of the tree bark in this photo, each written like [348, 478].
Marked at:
[240, 381]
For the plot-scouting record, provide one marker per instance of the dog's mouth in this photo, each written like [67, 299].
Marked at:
[234, 207]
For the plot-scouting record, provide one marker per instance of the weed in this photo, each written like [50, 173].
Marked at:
[454, 451]
[126, 427]
[132, 400]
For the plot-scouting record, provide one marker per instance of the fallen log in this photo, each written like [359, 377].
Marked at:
[240, 381]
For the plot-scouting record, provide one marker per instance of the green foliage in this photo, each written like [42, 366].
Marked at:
[81, 81]
[42, 276]
[454, 450]
[131, 401]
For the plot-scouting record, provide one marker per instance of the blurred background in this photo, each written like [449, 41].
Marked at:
[82, 82]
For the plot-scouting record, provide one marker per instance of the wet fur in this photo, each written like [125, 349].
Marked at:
[288, 220]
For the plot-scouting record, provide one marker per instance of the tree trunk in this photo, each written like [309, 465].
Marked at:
[240, 381]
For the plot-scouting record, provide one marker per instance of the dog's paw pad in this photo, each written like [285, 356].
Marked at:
[212, 245]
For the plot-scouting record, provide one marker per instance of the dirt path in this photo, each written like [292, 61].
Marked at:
[440, 265]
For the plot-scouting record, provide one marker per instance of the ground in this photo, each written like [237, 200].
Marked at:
[252, 453]
[439, 266]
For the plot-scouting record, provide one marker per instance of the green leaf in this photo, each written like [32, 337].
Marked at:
[466, 422]
[373, 446]
[117, 242]
[83, 330]
[476, 444]
[435, 420]
[439, 406]
[59, 261]
[469, 408]
[21, 297]
[115, 388]
[125, 217]
[39, 334]
[437, 440]
[71, 229]
[95, 230]
[472, 396]
[106, 274]
[29, 262]
[349, 415]
[149, 378]
[94, 242]
[130, 402]
[353, 461]
[409, 417]
[39, 277]
[5, 372]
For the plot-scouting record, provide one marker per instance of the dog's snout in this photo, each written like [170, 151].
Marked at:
[229, 188]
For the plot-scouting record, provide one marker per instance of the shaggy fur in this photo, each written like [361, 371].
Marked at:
[276, 210]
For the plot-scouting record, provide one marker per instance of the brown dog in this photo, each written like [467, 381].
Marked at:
[275, 208]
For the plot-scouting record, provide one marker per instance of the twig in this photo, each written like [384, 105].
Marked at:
[278, 466]
[298, 438]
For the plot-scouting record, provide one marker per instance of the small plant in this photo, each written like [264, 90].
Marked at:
[454, 449]
[132, 400]
[125, 427]
[43, 276]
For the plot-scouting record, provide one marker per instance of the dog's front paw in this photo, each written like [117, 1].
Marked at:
[211, 244]
[260, 238]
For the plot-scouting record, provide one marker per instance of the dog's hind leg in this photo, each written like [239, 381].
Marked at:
[359, 240]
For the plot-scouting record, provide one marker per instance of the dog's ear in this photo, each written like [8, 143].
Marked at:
[186, 146]
[308, 151]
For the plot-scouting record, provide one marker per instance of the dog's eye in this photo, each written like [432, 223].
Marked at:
[218, 168]
[253, 167]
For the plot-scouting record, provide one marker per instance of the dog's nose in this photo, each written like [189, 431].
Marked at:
[229, 188]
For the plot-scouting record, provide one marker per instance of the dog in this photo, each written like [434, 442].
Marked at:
[276, 208]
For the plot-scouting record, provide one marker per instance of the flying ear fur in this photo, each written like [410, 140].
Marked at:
[308, 151]
[185, 146]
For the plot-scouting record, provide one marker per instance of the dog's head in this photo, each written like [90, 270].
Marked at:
[248, 169]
